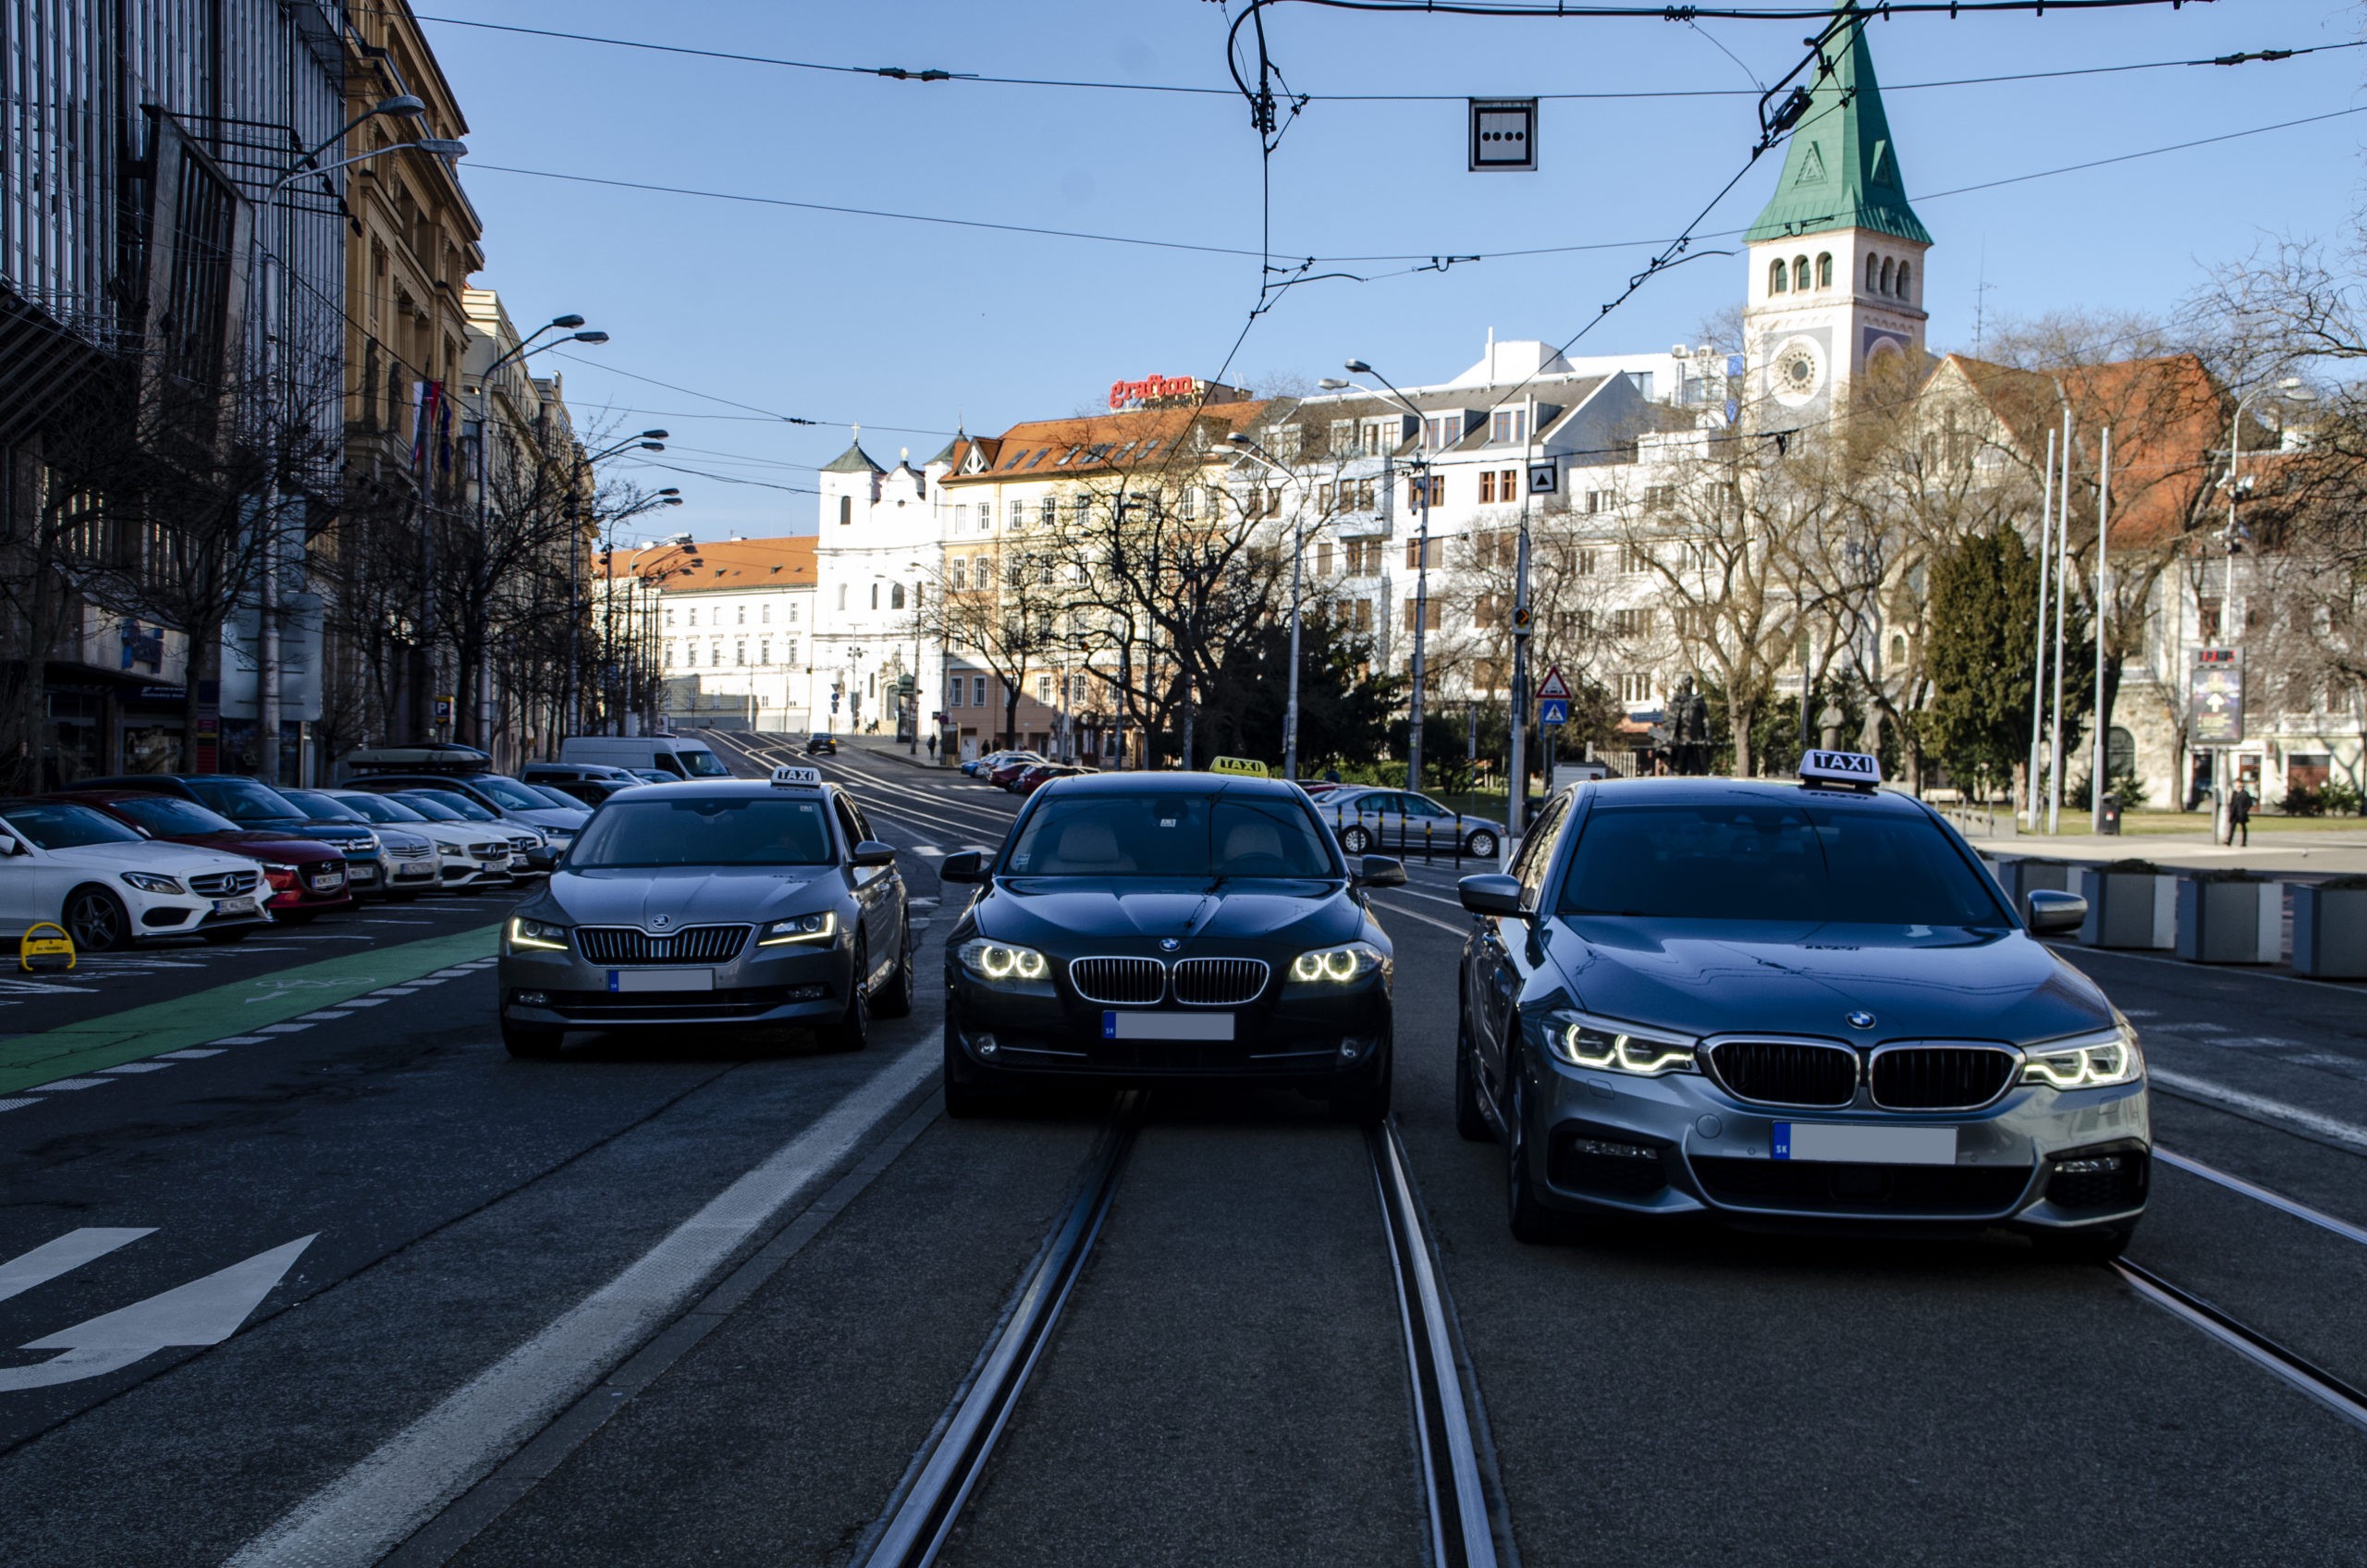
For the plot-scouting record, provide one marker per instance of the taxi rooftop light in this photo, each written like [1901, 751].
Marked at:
[1847, 770]
[793, 777]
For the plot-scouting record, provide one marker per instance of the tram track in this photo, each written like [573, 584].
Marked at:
[1464, 1524]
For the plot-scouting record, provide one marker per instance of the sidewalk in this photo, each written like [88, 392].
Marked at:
[2310, 853]
[889, 746]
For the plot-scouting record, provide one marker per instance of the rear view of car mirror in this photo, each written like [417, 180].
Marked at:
[9, 846]
[1379, 871]
[968, 866]
[2052, 912]
[1491, 893]
[871, 852]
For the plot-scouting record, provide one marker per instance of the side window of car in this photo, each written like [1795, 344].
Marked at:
[861, 821]
[848, 823]
[1537, 849]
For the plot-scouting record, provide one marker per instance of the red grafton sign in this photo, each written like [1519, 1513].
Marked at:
[1150, 388]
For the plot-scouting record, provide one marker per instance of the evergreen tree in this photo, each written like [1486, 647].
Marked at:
[1982, 627]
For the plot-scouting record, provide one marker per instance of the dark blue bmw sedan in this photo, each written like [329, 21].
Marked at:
[1791, 1005]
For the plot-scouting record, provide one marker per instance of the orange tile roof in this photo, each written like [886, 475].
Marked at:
[1034, 451]
[783, 562]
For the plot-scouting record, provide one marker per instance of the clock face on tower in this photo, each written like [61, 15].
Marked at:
[1799, 370]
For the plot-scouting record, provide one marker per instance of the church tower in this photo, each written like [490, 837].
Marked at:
[1837, 258]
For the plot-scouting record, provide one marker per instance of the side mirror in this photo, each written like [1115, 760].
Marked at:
[968, 866]
[1490, 893]
[2052, 912]
[1378, 871]
[871, 852]
[9, 846]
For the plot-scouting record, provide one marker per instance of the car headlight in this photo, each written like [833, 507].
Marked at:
[1336, 966]
[2087, 1061]
[541, 934]
[1001, 962]
[800, 929]
[149, 882]
[275, 868]
[1583, 1041]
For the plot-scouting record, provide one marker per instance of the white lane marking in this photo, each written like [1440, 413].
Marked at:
[2275, 1111]
[72, 1250]
[452, 973]
[138, 1067]
[398, 923]
[204, 1312]
[2074, 950]
[242, 1039]
[394, 991]
[2139, 1012]
[270, 1029]
[2274, 1200]
[1426, 919]
[381, 1501]
[16, 1105]
[931, 851]
[429, 980]
[73, 1084]
[322, 1017]
[195, 1053]
[364, 1001]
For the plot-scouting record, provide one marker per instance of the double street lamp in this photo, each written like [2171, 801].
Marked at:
[1421, 563]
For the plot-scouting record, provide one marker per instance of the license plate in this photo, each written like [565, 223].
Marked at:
[1856, 1144]
[661, 979]
[1118, 1025]
[236, 906]
[359, 874]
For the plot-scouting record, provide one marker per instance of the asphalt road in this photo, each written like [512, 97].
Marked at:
[352, 1285]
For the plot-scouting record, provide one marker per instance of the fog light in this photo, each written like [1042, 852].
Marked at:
[985, 1045]
[2092, 1166]
[533, 998]
[1612, 1151]
[808, 992]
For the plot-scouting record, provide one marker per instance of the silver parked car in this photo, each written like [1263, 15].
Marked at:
[1403, 822]
[1790, 1005]
[712, 902]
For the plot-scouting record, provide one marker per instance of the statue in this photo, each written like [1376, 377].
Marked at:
[1830, 722]
[1688, 713]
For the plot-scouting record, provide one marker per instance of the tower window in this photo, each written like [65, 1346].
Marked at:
[1800, 275]
[846, 511]
[1825, 270]
[1886, 276]
[1902, 292]
[1777, 276]
[1873, 273]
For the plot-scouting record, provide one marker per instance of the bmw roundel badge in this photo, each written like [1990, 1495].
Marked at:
[1861, 1019]
[1169, 944]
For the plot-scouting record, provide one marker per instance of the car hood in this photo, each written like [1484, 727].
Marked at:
[312, 832]
[267, 843]
[690, 896]
[153, 854]
[553, 816]
[1707, 977]
[1133, 916]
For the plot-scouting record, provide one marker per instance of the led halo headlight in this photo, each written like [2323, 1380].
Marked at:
[1336, 966]
[819, 927]
[1583, 1041]
[150, 882]
[1003, 964]
[541, 934]
[2087, 1061]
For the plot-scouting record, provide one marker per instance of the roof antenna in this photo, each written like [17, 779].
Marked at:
[1981, 297]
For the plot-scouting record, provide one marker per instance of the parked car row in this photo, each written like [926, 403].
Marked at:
[1022, 773]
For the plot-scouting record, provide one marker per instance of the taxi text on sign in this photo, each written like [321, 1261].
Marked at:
[1253, 768]
[1842, 768]
[792, 777]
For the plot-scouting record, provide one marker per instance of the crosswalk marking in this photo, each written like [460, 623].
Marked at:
[16, 1105]
[194, 1054]
[73, 1084]
[242, 1039]
[138, 1067]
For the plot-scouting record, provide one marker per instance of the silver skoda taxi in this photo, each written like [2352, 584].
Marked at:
[1789, 1006]
[739, 901]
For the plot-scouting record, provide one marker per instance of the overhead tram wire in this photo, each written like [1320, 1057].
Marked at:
[750, 408]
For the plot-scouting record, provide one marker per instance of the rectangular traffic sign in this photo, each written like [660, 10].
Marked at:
[1553, 710]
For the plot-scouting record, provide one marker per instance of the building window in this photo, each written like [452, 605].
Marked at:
[1902, 292]
[895, 595]
[1486, 487]
[1634, 689]
[1886, 276]
[1873, 273]
[1430, 614]
[739, 653]
[1825, 270]
[1414, 554]
[1019, 514]
[1800, 275]
[874, 595]
[1507, 425]
[1362, 619]
[1323, 558]
[1437, 491]
[693, 614]
[1631, 624]
[765, 613]
[1583, 563]
[979, 691]
[961, 574]
[846, 511]
[792, 615]
[1635, 558]
[788, 652]
[715, 652]
[669, 617]
[690, 653]
[764, 651]
[1044, 688]
[1441, 431]
[1048, 511]
[1778, 275]
[743, 614]
[842, 595]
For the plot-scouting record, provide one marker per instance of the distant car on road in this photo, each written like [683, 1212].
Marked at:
[821, 745]
[717, 903]
[585, 783]
[673, 757]
[1790, 1005]
[1404, 821]
[110, 885]
[306, 877]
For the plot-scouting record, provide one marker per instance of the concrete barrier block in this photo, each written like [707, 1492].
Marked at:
[2127, 907]
[2330, 930]
[2229, 919]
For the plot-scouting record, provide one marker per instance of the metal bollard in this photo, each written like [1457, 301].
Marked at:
[1425, 840]
[1458, 840]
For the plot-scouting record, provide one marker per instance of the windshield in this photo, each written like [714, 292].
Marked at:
[379, 808]
[1171, 835]
[244, 801]
[507, 792]
[702, 763]
[54, 824]
[169, 815]
[325, 808]
[557, 797]
[1789, 861]
[700, 831]
[459, 807]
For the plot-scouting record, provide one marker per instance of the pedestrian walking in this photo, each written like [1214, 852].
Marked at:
[2239, 816]
[932, 748]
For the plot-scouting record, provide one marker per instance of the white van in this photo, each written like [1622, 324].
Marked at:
[677, 755]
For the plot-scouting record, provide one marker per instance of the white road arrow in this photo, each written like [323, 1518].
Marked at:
[204, 1312]
[71, 1251]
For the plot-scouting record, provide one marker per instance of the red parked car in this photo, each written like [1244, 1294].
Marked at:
[1043, 773]
[307, 877]
[1008, 773]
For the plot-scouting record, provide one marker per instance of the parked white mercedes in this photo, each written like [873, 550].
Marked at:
[110, 884]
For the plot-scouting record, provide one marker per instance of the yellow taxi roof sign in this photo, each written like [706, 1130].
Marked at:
[1249, 766]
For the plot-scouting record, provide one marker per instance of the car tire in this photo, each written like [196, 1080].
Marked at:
[1532, 1222]
[1480, 845]
[226, 935]
[532, 1041]
[1354, 841]
[851, 1031]
[896, 999]
[1366, 1102]
[966, 1098]
[1470, 1117]
[2095, 1243]
[96, 919]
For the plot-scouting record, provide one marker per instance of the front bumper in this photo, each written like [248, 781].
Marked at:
[185, 914]
[786, 985]
[1601, 1141]
[1291, 1036]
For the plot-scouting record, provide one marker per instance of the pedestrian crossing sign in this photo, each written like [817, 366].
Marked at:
[1553, 710]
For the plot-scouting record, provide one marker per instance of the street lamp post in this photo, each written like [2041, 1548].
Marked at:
[915, 568]
[1421, 575]
[2289, 389]
[1251, 449]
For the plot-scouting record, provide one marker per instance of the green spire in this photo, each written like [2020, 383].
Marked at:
[1841, 170]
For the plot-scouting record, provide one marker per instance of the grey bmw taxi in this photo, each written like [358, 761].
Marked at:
[1789, 1006]
[727, 901]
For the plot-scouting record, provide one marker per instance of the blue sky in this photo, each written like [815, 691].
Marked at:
[895, 324]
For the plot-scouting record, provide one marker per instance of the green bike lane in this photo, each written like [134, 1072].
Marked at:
[243, 1007]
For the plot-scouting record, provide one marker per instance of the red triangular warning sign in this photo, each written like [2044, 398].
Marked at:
[1553, 685]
